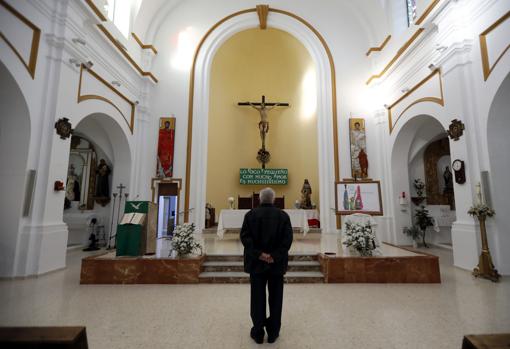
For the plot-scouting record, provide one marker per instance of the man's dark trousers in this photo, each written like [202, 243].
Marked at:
[274, 284]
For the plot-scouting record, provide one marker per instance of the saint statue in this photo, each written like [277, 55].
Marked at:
[448, 180]
[102, 183]
[306, 193]
[73, 185]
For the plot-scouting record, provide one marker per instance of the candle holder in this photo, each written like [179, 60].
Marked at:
[485, 268]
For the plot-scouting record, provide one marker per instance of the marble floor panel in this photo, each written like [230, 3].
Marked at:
[321, 244]
[217, 316]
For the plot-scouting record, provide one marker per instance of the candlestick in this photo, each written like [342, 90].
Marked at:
[479, 193]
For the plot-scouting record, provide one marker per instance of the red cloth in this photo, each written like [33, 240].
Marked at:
[166, 151]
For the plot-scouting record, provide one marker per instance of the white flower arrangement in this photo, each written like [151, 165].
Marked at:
[481, 210]
[361, 237]
[183, 241]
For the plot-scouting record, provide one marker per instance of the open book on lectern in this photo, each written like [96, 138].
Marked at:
[133, 218]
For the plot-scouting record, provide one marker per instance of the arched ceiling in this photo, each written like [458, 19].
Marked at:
[370, 14]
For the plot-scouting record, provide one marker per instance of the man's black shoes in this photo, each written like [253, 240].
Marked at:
[271, 339]
[257, 337]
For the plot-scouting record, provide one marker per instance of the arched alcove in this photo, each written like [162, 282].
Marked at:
[498, 126]
[419, 140]
[109, 142]
[250, 64]
[326, 108]
[14, 144]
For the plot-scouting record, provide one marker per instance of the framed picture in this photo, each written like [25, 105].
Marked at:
[358, 197]
[358, 144]
[166, 140]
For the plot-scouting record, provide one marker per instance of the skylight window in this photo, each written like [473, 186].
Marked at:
[411, 11]
[119, 12]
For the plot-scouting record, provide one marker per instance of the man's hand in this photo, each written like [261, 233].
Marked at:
[266, 257]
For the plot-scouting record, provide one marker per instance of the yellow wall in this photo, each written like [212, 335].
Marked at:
[248, 65]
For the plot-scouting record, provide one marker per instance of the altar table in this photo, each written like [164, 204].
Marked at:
[233, 219]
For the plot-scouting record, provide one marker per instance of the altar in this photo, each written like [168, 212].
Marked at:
[233, 219]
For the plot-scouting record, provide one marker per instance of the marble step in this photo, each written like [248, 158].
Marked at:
[237, 257]
[291, 277]
[224, 266]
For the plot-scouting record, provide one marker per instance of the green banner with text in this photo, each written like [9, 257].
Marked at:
[264, 176]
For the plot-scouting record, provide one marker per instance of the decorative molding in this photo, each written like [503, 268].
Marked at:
[191, 99]
[456, 129]
[379, 48]
[436, 100]
[115, 43]
[96, 10]
[487, 67]
[427, 11]
[144, 46]
[34, 47]
[262, 12]
[400, 52]
[81, 98]
[130, 59]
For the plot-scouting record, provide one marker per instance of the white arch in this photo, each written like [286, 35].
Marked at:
[201, 110]
[400, 150]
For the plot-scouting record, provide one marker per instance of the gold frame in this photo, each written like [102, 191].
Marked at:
[427, 12]
[168, 180]
[142, 45]
[192, 87]
[81, 98]
[367, 181]
[34, 47]
[436, 100]
[380, 47]
[400, 52]
[487, 68]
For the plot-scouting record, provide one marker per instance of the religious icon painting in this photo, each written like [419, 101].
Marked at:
[358, 143]
[166, 141]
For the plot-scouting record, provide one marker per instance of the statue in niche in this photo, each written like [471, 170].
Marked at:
[73, 185]
[306, 193]
[448, 180]
[103, 172]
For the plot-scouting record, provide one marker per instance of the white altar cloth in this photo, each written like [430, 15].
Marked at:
[233, 219]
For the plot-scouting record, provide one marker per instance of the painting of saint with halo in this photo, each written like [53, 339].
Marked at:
[166, 140]
[359, 158]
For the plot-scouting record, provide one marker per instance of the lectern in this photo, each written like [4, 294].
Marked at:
[137, 236]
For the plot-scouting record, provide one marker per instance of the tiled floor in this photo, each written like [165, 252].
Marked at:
[217, 316]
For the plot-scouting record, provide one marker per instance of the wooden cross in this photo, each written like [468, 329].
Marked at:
[262, 107]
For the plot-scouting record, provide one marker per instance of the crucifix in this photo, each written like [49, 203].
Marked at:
[263, 107]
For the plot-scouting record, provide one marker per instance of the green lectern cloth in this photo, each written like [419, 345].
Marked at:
[129, 239]
[137, 206]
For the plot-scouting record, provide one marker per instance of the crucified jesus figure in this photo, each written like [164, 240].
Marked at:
[264, 123]
[263, 108]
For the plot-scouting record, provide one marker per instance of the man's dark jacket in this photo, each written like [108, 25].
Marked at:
[266, 229]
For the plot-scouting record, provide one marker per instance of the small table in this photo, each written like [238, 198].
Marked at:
[233, 219]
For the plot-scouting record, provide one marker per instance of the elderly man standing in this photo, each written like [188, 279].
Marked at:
[267, 236]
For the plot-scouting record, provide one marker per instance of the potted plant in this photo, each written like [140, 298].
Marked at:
[423, 220]
[183, 241]
[414, 232]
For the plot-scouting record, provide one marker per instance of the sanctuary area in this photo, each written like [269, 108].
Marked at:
[137, 135]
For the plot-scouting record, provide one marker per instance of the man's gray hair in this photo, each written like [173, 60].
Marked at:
[266, 196]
